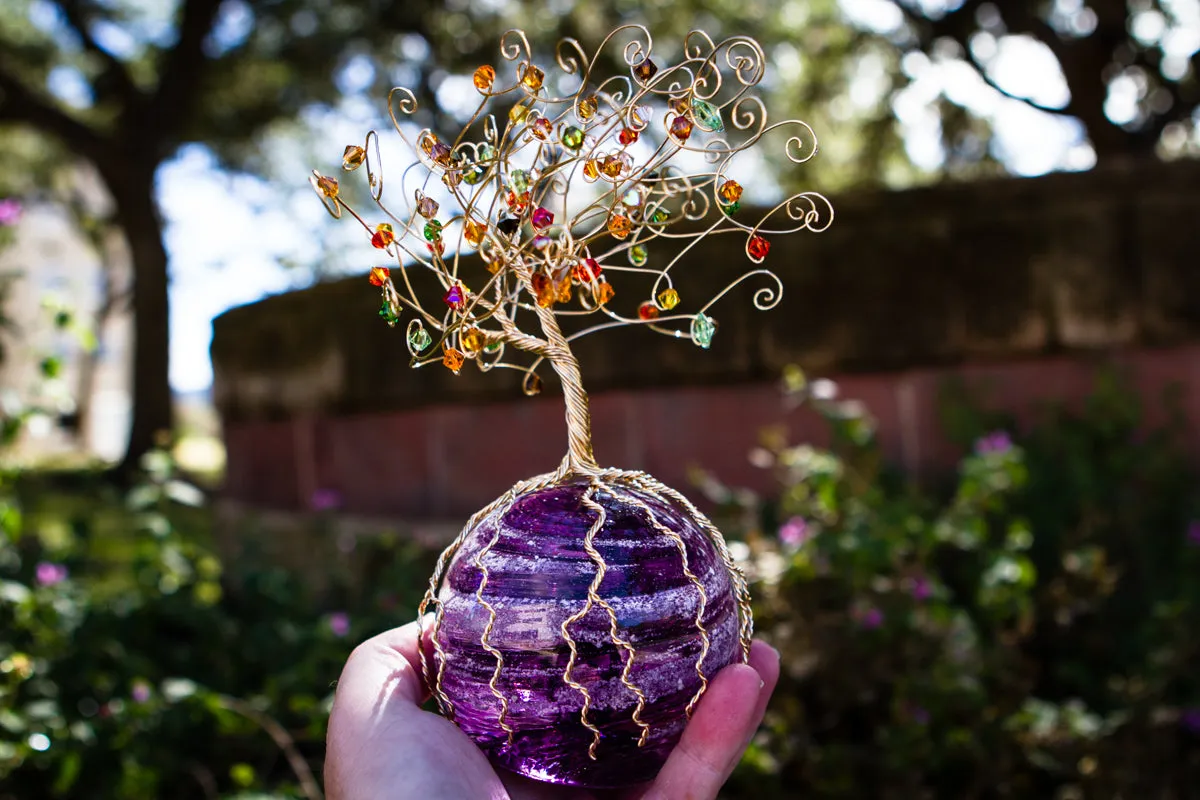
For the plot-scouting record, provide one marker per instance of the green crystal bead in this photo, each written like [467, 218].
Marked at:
[518, 181]
[486, 152]
[638, 255]
[419, 339]
[473, 174]
[433, 230]
[572, 138]
[707, 116]
[731, 209]
[491, 347]
[703, 329]
[390, 316]
[660, 215]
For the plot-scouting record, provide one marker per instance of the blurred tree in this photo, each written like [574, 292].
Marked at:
[1141, 53]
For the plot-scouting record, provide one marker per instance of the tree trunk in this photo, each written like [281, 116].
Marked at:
[138, 217]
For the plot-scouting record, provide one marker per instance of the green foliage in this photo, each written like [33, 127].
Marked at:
[1028, 633]
[134, 664]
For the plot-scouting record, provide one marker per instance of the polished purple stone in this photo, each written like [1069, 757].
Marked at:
[538, 575]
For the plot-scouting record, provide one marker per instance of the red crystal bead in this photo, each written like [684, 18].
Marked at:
[681, 128]
[541, 218]
[383, 235]
[627, 136]
[379, 276]
[758, 247]
[456, 297]
[648, 311]
[587, 270]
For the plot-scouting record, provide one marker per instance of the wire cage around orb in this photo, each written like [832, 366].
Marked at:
[578, 618]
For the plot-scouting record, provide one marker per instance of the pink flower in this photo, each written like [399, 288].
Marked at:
[49, 574]
[325, 500]
[869, 618]
[140, 691]
[921, 589]
[794, 532]
[339, 623]
[994, 442]
[10, 211]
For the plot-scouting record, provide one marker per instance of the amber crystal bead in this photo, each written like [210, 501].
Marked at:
[353, 158]
[453, 359]
[383, 236]
[591, 170]
[588, 107]
[647, 311]
[378, 275]
[327, 186]
[484, 77]
[473, 232]
[627, 136]
[645, 70]
[604, 292]
[543, 289]
[619, 225]
[681, 128]
[611, 167]
[668, 299]
[533, 78]
[730, 191]
[518, 112]
[472, 340]
[758, 247]
[562, 289]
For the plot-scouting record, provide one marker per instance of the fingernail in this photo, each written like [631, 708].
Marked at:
[761, 683]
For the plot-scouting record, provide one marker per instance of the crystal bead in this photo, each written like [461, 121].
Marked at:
[518, 112]
[731, 209]
[707, 116]
[472, 339]
[517, 203]
[437, 247]
[456, 297]
[433, 230]
[452, 178]
[619, 226]
[518, 181]
[542, 128]
[541, 242]
[730, 191]
[660, 216]
[379, 276]
[588, 107]
[543, 289]
[572, 138]
[384, 235]
[590, 170]
[453, 359]
[353, 158]
[441, 154]
[491, 347]
[485, 152]
[426, 142]
[638, 255]
[427, 207]
[668, 299]
[678, 104]
[327, 186]
[484, 77]
[632, 197]
[758, 247]
[681, 128]
[541, 218]
[418, 339]
[647, 311]
[604, 292]
[508, 226]
[611, 167]
[703, 329]
[532, 384]
[473, 174]
[586, 270]
[627, 136]
[640, 116]
[533, 78]
[562, 289]
[645, 70]
[473, 232]
[390, 315]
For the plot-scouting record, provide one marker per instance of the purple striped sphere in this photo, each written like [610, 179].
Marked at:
[538, 575]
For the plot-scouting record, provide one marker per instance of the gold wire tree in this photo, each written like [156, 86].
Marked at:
[559, 200]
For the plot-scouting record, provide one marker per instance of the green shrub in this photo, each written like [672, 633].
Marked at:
[1033, 631]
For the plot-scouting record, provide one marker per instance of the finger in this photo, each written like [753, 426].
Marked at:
[713, 741]
[765, 660]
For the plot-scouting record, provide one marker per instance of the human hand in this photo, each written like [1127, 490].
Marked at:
[382, 746]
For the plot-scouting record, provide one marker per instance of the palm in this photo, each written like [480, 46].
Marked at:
[382, 745]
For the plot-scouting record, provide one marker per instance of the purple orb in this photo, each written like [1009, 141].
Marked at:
[538, 577]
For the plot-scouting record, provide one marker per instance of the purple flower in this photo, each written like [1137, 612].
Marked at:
[140, 691]
[921, 589]
[994, 442]
[1193, 533]
[339, 623]
[1190, 719]
[325, 500]
[794, 532]
[870, 618]
[10, 211]
[49, 574]
[919, 715]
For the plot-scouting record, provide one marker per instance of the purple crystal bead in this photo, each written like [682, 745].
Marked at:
[538, 576]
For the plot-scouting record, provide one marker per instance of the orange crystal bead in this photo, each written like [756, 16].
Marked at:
[619, 225]
[562, 292]
[379, 275]
[588, 106]
[327, 186]
[543, 289]
[533, 78]
[453, 359]
[611, 167]
[473, 232]
[353, 157]
[484, 77]
[647, 311]
[604, 292]
[590, 170]
[730, 191]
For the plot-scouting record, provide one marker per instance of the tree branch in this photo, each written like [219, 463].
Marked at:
[20, 105]
[183, 69]
[115, 76]
[981, 68]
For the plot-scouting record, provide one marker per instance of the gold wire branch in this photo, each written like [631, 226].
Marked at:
[564, 192]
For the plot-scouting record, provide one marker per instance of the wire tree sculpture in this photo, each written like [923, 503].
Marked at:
[559, 202]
